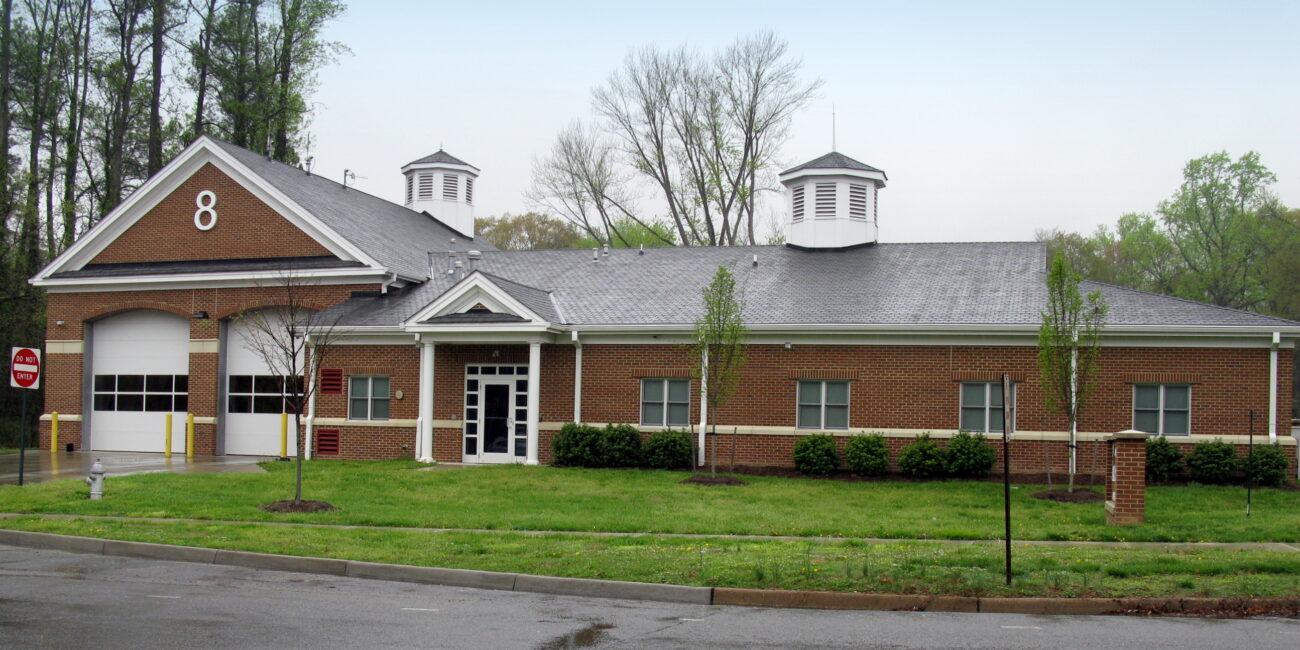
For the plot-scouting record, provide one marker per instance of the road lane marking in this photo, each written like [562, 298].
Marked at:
[693, 620]
[417, 609]
[1021, 627]
[167, 597]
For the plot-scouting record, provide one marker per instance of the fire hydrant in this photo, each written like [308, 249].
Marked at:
[96, 480]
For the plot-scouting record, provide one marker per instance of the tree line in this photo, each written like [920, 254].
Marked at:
[97, 95]
[1222, 238]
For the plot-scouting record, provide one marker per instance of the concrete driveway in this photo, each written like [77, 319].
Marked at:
[46, 466]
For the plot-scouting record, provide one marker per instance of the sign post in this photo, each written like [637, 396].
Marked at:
[1008, 417]
[24, 374]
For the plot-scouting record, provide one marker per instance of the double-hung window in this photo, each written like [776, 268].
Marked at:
[823, 405]
[982, 405]
[368, 398]
[1162, 408]
[665, 402]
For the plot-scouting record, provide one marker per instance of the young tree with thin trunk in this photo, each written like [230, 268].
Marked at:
[294, 339]
[719, 348]
[1069, 346]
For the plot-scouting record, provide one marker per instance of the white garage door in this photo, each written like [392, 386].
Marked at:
[255, 397]
[140, 360]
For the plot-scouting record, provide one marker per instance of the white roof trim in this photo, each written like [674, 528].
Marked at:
[357, 275]
[473, 289]
[147, 196]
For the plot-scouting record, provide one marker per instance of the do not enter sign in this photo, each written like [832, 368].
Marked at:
[25, 368]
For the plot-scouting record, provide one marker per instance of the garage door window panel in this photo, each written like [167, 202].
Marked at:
[141, 393]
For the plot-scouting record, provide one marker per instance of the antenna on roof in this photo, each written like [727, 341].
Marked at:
[833, 147]
[309, 161]
[347, 174]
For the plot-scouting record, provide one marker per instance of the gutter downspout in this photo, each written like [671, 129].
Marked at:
[704, 402]
[1272, 387]
[577, 377]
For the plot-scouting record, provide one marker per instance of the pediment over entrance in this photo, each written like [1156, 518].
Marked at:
[484, 298]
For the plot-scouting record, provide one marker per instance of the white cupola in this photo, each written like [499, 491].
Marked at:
[443, 186]
[832, 202]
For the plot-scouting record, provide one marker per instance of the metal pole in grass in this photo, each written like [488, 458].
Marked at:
[1250, 458]
[1007, 406]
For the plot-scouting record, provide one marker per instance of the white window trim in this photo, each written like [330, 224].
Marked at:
[640, 405]
[1160, 410]
[848, 404]
[988, 392]
[370, 398]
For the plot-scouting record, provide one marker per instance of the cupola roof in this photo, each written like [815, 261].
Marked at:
[834, 160]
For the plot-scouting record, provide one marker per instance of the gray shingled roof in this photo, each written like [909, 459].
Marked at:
[440, 156]
[396, 236]
[834, 160]
[885, 284]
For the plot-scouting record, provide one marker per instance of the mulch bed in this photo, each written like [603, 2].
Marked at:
[711, 479]
[289, 505]
[1079, 495]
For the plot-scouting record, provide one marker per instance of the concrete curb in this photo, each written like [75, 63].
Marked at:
[591, 588]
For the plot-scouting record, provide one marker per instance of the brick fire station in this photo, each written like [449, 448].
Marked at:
[451, 350]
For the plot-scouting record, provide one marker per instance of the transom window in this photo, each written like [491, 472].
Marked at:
[160, 393]
[823, 405]
[982, 405]
[368, 398]
[665, 402]
[268, 394]
[1165, 409]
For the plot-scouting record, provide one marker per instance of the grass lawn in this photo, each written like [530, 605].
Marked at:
[847, 565]
[8, 450]
[517, 497]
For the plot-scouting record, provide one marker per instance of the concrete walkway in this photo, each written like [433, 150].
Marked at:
[41, 466]
[1162, 546]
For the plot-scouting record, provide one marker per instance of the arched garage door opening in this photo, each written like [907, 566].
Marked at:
[254, 395]
[140, 364]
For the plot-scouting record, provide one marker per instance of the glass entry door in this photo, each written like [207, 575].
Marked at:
[496, 414]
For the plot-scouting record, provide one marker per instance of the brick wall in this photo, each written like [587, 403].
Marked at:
[246, 227]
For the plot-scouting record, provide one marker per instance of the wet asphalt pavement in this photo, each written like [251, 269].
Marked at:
[40, 466]
[51, 599]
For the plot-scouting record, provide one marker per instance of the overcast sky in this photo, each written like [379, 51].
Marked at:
[992, 119]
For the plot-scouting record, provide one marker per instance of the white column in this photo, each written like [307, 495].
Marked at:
[704, 402]
[534, 398]
[424, 442]
[577, 379]
[1272, 388]
[314, 367]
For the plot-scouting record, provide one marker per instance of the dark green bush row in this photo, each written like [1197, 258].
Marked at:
[1215, 462]
[967, 456]
[619, 445]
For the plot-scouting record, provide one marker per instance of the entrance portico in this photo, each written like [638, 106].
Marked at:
[485, 391]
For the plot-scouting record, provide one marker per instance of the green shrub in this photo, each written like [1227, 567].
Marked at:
[923, 459]
[669, 449]
[867, 455]
[1212, 462]
[1163, 459]
[576, 445]
[619, 445]
[1269, 465]
[970, 456]
[815, 454]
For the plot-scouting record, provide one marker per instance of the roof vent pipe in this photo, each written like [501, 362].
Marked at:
[451, 263]
[474, 257]
[642, 250]
[755, 260]
[430, 260]
[595, 254]
[605, 249]
[459, 269]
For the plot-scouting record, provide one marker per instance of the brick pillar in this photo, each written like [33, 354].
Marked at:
[1126, 482]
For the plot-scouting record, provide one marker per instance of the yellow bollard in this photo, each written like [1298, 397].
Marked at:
[284, 435]
[189, 435]
[167, 438]
[54, 432]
